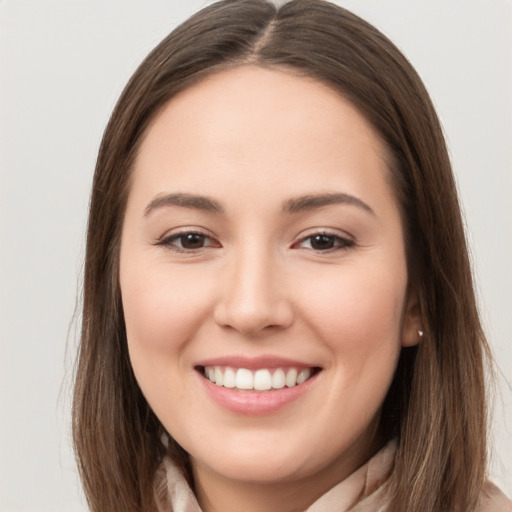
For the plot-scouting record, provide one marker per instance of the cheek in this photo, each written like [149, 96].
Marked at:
[357, 311]
[358, 317]
[162, 311]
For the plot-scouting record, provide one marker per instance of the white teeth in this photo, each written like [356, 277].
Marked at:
[303, 376]
[291, 378]
[229, 380]
[218, 376]
[261, 380]
[278, 379]
[244, 379]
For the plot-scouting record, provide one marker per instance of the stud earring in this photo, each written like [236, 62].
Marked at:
[420, 333]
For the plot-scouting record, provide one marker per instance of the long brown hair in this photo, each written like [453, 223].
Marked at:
[436, 405]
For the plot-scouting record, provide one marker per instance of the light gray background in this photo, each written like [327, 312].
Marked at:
[63, 65]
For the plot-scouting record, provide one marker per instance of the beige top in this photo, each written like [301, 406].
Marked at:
[362, 491]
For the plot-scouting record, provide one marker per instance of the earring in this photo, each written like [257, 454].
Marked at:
[420, 333]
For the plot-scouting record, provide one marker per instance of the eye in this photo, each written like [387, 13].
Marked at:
[325, 242]
[188, 241]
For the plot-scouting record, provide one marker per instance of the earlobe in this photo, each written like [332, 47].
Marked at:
[412, 331]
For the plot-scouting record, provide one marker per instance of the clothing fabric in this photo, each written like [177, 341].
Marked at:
[362, 491]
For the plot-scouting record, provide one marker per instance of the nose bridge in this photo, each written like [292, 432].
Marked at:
[253, 295]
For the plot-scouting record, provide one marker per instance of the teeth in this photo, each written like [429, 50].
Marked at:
[278, 379]
[229, 379]
[261, 380]
[291, 378]
[219, 377]
[244, 379]
[303, 376]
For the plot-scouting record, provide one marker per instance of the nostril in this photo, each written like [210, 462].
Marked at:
[251, 317]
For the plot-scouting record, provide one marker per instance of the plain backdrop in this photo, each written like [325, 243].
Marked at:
[63, 65]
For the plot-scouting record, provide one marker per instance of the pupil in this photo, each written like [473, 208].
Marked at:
[320, 242]
[192, 241]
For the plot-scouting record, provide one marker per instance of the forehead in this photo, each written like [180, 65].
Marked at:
[234, 98]
[259, 127]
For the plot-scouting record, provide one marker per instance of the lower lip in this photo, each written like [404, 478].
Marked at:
[254, 403]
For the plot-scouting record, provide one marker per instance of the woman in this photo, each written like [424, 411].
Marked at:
[278, 304]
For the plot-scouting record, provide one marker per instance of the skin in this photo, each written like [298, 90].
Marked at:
[252, 139]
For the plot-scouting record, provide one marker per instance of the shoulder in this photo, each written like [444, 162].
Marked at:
[493, 500]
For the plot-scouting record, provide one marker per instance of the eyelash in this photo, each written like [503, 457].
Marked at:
[340, 243]
[169, 242]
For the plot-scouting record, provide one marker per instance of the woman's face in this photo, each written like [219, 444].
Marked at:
[263, 277]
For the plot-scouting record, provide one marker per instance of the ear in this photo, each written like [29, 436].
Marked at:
[412, 328]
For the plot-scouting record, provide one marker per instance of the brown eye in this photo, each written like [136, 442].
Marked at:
[324, 242]
[192, 241]
[188, 242]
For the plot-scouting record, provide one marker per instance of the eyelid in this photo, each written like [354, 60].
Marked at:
[167, 239]
[346, 240]
[343, 241]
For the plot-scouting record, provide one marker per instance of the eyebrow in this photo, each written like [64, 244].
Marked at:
[185, 201]
[311, 202]
[294, 205]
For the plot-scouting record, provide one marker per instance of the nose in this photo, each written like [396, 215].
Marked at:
[253, 298]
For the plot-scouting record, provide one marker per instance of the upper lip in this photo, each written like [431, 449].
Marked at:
[255, 363]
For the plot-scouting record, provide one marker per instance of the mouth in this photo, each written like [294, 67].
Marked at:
[257, 380]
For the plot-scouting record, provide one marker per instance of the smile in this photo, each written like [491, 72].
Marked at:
[263, 379]
[256, 386]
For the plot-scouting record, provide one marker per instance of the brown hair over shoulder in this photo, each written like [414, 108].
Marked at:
[436, 405]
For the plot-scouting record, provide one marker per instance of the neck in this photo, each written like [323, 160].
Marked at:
[252, 498]
[216, 493]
